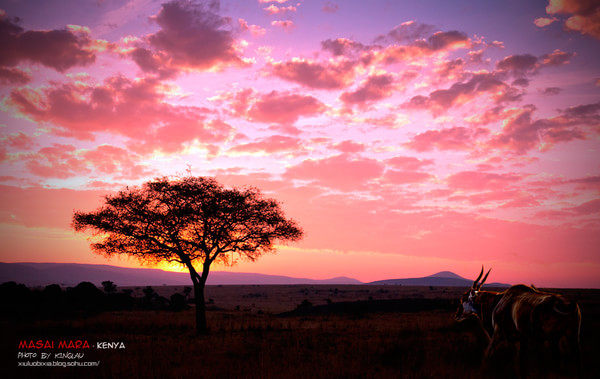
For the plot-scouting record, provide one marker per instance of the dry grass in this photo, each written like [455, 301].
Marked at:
[255, 342]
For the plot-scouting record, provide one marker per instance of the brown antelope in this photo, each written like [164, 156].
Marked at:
[524, 319]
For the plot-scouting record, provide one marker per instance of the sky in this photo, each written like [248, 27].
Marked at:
[406, 138]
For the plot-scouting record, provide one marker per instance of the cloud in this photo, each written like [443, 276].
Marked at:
[455, 138]
[282, 107]
[331, 75]
[57, 49]
[375, 87]
[349, 147]
[408, 31]
[459, 93]
[64, 161]
[13, 76]
[284, 24]
[518, 65]
[192, 36]
[330, 7]
[338, 172]
[255, 30]
[439, 43]
[445, 40]
[405, 177]
[587, 208]
[136, 109]
[408, 163]
[18, 140]
[541, 22]
[521, 65]
[521, 132]
[556, 58]
[477, 181]
[342, 46]
[584, 15]
[271, 144]
[551, 91]
[451, 69]
[274, 9]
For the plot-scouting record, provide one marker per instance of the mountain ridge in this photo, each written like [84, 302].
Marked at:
[33, 273]
[68, 274]
[442, 278]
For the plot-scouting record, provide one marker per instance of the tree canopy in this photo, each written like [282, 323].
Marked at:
[187, 220]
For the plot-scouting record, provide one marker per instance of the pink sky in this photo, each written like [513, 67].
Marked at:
[405, 139]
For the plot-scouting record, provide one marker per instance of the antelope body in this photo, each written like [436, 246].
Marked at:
[525, 319]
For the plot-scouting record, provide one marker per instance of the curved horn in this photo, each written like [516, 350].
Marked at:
[481, 273]
[484, 278]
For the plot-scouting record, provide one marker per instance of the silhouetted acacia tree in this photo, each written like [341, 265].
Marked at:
[193, 221]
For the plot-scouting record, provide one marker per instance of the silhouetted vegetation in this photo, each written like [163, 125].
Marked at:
[85, 299]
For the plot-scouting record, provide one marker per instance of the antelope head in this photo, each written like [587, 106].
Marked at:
[469, 306]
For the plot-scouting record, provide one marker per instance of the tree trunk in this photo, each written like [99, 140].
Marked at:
[201, 327]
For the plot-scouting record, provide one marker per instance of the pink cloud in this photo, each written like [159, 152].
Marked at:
[120, 163]
[338, 172]
[57, 49]
[13, 76]
[65, 161]
[451, 69]
[408, 163]
[555, 58]
[349, 147]
[522, 133]
[477, 181]
[284, 108]
[375, 87]
[284, 24]
[519, 65]
[584, 16]
[330, 7]
[342, 46]
[455, 138]
[255, 30]
[192, 36]
[274, 9]
[408, 31]
[587, 208]
[17, 140]
[134, 109]
[405, 177]
[459, 93]
[57, 161]
[316, 75]
[541, 22]
[272, 144]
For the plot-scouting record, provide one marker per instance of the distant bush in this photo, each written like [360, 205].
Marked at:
[19, 301]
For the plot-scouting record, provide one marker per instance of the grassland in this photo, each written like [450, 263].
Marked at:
[250, 338]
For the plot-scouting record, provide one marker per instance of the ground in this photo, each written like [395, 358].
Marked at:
[266, 332]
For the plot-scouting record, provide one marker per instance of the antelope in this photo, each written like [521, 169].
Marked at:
[523, 316]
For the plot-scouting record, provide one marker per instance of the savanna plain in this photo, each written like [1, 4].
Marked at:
[289, 331]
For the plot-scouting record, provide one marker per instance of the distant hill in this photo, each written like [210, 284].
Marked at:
[68, 274]
[443, 278]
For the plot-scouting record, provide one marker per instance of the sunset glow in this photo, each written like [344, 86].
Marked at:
[405, 139]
